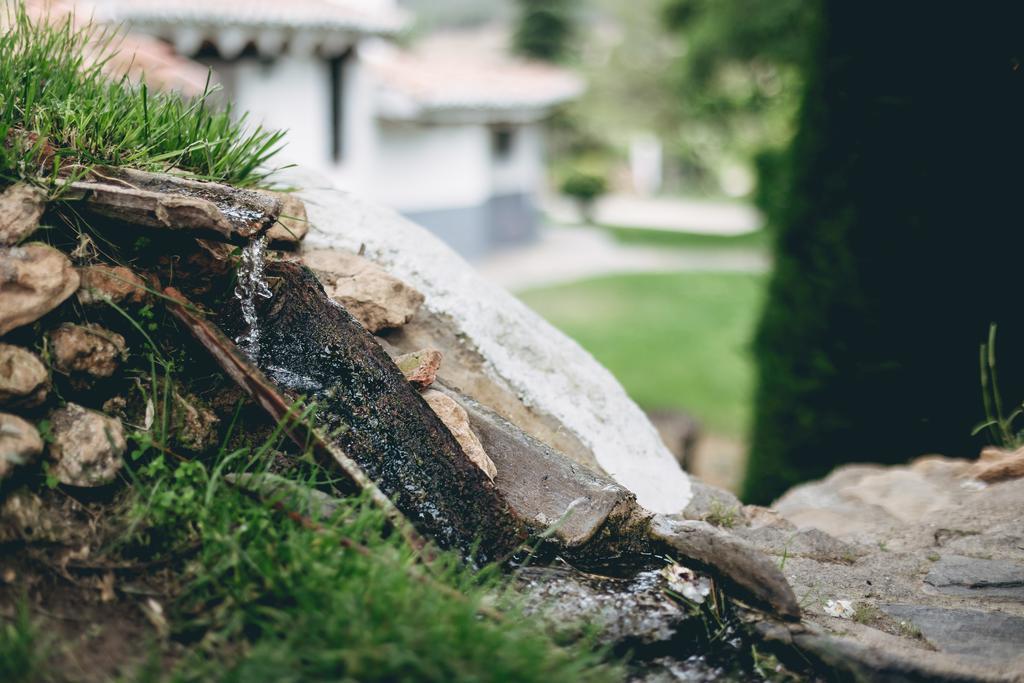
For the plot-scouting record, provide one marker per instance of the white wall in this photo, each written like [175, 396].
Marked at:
[291, 92]
[359, 123]
[412, 167]
[427, 167]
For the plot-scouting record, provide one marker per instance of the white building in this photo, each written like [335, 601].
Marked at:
[449, 132]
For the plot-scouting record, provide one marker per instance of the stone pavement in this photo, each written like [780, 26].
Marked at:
[931, 562]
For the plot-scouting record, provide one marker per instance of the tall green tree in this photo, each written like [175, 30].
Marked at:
[900, 241]
[737, 81]
[544, 29]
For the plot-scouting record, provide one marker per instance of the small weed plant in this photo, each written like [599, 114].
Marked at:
[1000, 424]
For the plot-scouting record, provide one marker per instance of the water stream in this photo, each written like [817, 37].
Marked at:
[252, 284]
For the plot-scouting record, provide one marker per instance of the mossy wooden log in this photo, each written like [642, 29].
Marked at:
[310, 346]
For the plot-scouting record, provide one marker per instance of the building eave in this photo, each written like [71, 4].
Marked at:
[231, 28]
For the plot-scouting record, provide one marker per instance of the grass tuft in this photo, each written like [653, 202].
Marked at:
[269, 595]
[721, 515]
[62, 112]
[22, 653]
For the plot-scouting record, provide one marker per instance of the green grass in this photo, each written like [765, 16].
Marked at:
[300, 604]
[674, 340]
[23, 653]
[270, 597]
[758, 239]
[61, 113]
[255, 596]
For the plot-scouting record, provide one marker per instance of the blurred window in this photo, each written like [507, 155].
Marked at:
[503, 141]
[337, 65]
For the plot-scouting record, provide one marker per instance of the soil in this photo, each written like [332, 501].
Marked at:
[88, 602]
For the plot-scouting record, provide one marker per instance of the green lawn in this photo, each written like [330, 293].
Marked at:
[674, 340]
[758, 239]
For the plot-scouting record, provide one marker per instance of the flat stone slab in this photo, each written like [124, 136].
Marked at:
[960, 575]
[159, 200]
[971, 633]
[541, 486]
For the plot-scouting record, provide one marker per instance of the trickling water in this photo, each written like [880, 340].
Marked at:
[251, 284]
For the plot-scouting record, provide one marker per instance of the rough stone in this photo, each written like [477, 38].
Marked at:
[745, 568]
[21, 207]
[905, 494]
[158, 200]
[86, 350]
[376, 299]
[924, 542]
[865, 654]
[292, 225]
[466, 370]
[807, 543]
[24, 380]
[714, 505]
[838, 506]
[966, 632]
[34, 280]
[420, 367]
[20, 443]
[529, 371]
[456, 420]
[116, 406]
[46, 516]
[24, 517]
[631, 611]
[959, 575]
[116, 284]
[87, 446]
[544, 489]
[196, 425]
[996, 465]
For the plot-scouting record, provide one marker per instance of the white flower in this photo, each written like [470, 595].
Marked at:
[686, 582]
[839, 608]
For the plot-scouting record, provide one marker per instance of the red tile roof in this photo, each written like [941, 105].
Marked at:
[363, 16]
[466, 71]
[136, 55]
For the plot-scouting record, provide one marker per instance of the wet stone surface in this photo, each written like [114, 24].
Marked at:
[959, 575]
[635, 610]
[310, 346]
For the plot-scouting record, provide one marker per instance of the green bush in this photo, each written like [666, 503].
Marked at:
[585, 188]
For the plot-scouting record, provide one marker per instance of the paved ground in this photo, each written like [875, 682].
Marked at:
[567, 254]
[930, 560]
[682, 215]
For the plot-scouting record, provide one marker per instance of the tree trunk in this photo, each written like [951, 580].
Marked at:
[899, 242]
